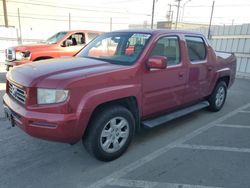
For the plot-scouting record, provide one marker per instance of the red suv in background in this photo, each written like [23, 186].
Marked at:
[63, 43]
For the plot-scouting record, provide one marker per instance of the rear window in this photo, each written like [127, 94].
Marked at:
[92, 36]
[196, 48]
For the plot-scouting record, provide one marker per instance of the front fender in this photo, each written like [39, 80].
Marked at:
[91, 100]
[94, 98]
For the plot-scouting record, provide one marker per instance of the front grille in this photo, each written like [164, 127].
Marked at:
[10, 54]
[17, 93]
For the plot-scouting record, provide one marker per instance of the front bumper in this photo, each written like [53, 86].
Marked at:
[48, 126]
[15, 63]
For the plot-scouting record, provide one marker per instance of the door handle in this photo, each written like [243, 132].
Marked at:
[181, 74]
[210, 68]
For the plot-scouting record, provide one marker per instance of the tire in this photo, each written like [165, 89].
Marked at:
[218, 97]
[110, 132]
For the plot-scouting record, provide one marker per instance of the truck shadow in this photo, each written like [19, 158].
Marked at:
[174, 126]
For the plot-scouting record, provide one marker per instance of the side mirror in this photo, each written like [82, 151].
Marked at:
[157, 62]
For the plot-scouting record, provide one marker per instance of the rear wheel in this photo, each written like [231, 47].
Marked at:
[110, 133]
[218, 97]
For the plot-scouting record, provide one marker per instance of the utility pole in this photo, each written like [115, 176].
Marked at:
[210, 23]
[20, 29]
[172, 15]
[169, 13]
[177, 16]
[153, 12]
[5, 14]
[232, 21]
[110, 24]
[69, 21]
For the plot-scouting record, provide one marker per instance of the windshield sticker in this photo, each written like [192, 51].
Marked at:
[140, 35]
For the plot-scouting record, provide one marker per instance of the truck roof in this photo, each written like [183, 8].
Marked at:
[159, 31]
[87, 31]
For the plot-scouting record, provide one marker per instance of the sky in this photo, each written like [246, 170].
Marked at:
[45, 17]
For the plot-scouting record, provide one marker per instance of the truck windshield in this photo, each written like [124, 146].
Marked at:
[55, 38]
[117, 47]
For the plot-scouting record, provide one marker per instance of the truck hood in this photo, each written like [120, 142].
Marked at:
[30, 47]
[58, 70]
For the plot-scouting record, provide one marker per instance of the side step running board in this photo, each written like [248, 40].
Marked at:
[150, 123]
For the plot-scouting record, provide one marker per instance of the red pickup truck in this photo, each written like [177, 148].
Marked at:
[64, 43]
[119, 83]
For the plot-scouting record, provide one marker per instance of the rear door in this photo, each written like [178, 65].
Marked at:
[199, 68]
[163, 89]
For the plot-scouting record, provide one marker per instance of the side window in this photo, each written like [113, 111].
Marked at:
[77, 39]
[91, 36]
[168, 47]
[196, 48]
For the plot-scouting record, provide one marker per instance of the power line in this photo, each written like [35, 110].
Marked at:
[216, 17]
[53, 15]
[205, 6]
[74, 8]
[122, 1]
[77, 5]
[51, 19]
[64, 7]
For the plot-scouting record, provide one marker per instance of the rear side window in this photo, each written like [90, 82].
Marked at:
[77, 39]
[169, 47]
[196, 48]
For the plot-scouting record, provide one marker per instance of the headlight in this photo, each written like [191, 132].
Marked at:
[23, 55]
[51, 96]
[10, 54]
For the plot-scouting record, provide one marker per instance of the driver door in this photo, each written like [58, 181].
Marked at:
[163, 89]
[73, 44]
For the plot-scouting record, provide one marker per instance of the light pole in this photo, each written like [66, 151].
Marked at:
[169, 12]
[210, 23]
[110, 24]
[20, 28]
[5, 14]
[69, 21]
[184, 9]
[153, 14]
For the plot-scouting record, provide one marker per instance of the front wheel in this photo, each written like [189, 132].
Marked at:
[218, 97]
[110, 133]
